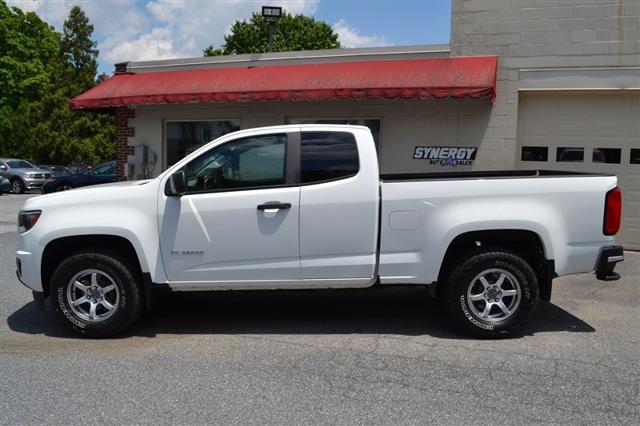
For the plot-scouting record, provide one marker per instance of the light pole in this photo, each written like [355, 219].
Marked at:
[271, 14]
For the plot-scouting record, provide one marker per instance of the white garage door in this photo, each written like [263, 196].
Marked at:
[592, 132]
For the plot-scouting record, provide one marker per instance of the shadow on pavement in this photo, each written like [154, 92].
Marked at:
[401, 311]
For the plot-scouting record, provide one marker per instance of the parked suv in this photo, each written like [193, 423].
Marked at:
[22, 174]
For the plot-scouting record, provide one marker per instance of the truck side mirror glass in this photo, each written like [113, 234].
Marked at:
[176, 185]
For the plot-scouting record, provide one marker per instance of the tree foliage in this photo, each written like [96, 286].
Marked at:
[27, 47]
[291, 32]
[78, 49]
[40, 70]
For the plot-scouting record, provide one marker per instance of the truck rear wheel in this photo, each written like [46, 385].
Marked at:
[96, 293]
[490, 292]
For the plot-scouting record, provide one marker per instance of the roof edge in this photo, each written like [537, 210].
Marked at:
[288, 58]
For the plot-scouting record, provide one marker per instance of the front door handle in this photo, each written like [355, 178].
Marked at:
[274, 205]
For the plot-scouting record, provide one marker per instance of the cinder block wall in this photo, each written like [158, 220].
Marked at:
[528, 34]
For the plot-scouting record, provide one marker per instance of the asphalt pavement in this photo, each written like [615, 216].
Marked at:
[367, 356]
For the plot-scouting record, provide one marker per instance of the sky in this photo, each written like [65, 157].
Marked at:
[139, 30]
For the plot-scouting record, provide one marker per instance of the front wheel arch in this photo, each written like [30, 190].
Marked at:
[60, 248]
[96, 293]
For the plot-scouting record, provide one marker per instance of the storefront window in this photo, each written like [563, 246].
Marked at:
[534, 153]
[372, 124]
[606, 155]
[569, 155]
[184, 137]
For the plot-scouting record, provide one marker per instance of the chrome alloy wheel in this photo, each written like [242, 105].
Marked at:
[93, 295]
[494, 295]
[64, 188]
[16, 187]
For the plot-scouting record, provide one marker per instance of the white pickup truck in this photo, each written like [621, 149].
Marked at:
[300, 207]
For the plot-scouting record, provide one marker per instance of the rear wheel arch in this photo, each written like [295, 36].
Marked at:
[528, 244]
[59, 249]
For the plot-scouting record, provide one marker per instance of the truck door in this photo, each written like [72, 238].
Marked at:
[338, 206]
[237, 224]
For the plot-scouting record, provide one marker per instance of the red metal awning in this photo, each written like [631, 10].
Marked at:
[394, 79]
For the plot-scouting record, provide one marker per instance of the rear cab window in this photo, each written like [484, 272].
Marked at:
[327, 156]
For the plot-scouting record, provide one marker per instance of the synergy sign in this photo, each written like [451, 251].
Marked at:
[446, 155]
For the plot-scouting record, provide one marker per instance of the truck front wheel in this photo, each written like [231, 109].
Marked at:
[96, 294]
[490, 292]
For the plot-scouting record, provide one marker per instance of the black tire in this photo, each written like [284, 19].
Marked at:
[17, 186]
[490, 262]
[129, 304]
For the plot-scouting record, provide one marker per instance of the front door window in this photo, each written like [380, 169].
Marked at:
[248, 163]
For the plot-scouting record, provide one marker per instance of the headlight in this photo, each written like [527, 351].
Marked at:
[27, 219]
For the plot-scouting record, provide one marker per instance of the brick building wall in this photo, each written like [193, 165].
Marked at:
[123, 133]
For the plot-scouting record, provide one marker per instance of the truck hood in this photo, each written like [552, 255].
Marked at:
[95, 193]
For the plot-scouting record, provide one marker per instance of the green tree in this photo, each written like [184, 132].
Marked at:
[27, 47]
[40, 70]
[61, 135]
[291, 32]
[78, 49]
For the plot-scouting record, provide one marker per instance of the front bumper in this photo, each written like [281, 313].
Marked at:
[607, 260]
[33, 183]
[38, 296]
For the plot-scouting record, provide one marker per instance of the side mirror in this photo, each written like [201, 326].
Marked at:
[3, 167]
[176, 184]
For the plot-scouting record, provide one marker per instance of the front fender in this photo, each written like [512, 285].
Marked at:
[126, 211]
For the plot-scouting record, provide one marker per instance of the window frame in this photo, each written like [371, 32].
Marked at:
[299, 120]
[291, 165]
[165, 133]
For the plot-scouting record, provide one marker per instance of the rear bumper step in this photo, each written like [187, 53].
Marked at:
[609, 256]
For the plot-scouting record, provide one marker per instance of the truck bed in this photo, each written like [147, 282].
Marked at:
[423, 212]
[495, 174]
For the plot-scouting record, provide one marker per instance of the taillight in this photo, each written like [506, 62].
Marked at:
[612, 212]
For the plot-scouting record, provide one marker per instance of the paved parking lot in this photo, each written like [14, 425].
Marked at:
[384, 356]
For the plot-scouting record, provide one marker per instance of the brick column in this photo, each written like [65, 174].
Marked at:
[123, 133]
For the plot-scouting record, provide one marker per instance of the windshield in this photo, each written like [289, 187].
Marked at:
[103, 169]
[20, 164]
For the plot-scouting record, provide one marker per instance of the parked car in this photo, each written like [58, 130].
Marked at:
[78, 167]
[304, 206]
[5, 185]
[55, 170]
[22, 174]
[102, 173]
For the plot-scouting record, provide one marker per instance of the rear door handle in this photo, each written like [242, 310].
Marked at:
[274, 205]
